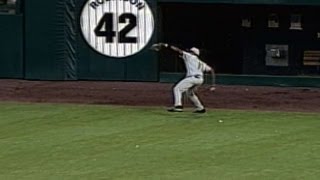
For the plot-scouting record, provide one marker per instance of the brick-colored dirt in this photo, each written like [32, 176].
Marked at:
[159, 94]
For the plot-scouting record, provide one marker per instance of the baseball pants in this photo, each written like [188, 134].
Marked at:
[188, 86]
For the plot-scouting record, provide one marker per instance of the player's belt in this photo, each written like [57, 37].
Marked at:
[196, 76]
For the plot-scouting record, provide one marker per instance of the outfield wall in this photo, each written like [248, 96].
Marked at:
[45, 41]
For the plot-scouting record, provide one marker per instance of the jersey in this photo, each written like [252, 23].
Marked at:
[194, 65]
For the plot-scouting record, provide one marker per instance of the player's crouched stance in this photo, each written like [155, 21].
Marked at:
[194, 78]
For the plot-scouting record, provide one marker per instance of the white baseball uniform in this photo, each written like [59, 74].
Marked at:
[194, 77]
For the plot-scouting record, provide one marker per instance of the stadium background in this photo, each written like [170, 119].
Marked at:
[42, 41]
[58, 122]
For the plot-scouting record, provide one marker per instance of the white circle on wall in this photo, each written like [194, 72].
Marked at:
[117, 28]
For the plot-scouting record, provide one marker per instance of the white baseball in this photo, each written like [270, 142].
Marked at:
[212, 89]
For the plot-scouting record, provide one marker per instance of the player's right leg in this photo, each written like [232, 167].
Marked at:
[178, 91]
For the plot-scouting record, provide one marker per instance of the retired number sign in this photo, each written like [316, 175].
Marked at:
[117, 28]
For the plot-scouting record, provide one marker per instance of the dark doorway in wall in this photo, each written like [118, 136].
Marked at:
[234, 38]
[213, 28]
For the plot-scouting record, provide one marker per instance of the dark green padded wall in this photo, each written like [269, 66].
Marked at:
[50, 40]
[11, 46]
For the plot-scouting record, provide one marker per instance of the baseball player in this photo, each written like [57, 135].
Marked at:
[194, 78]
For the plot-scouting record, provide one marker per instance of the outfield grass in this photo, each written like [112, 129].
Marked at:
[50, 141]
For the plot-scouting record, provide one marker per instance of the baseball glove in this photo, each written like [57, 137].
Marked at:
[157, 46]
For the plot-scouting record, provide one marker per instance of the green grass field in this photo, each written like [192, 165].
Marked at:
[53, 141]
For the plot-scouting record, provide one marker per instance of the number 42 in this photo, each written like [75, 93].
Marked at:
[107, 22]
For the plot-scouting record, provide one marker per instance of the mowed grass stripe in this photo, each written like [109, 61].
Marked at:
[52, 141]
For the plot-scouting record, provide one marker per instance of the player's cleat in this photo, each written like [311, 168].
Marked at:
[200, 111]
[176, 109]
